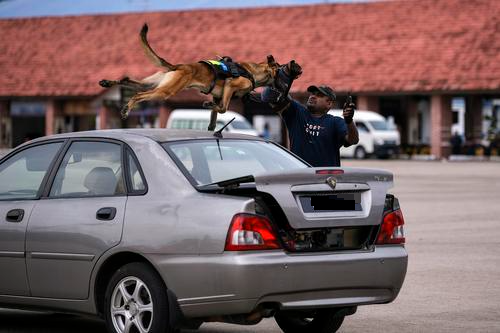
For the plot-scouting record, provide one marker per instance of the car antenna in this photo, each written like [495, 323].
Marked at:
[218, 133]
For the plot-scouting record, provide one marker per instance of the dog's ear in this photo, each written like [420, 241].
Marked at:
[270, 60]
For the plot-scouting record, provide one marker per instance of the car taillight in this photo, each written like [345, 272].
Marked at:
[391, 229]
[251, 232]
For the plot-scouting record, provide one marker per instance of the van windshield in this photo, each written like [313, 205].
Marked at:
[380, 125]
[241, 125]
[210, 161]
[202, 124]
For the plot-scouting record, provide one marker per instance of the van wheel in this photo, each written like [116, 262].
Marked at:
[136, 301]
[320, 321]
[360, 153]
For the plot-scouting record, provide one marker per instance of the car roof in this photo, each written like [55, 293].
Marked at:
[156, 134]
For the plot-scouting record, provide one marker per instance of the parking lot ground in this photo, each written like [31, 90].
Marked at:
[452, 214]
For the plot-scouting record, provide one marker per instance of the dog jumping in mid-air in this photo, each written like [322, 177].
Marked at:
[222, 79]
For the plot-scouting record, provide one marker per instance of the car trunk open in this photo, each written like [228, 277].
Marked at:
[319, 209]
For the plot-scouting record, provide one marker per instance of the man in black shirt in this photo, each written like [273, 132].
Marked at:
[314, 135]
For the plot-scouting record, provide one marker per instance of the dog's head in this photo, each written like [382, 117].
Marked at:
[287, 73]
[293, 69]
[269, 70]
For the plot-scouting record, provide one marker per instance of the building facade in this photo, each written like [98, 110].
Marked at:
[431, 65]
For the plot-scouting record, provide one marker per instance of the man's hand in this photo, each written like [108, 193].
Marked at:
[352, 136]
[348, 112]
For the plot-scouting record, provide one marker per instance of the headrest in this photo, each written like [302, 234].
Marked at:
[101, 181]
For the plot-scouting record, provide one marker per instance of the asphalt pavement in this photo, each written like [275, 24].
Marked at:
[452, 214]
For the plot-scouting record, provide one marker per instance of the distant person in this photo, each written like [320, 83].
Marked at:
[456, 144]
[266, 133]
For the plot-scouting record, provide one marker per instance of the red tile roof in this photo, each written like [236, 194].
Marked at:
[380, 47]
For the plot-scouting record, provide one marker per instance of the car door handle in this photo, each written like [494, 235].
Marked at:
[106, 213]
[15, 215]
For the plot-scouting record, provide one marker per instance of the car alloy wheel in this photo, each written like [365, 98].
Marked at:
[131, 305]
[136, 301]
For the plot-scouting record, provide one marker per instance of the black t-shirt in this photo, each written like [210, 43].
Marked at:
[316, 140]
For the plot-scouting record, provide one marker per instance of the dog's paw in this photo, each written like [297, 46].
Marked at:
[208, 104]
[124, 112]
[105, 83]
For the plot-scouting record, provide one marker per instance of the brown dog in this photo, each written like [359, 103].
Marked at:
[164, 84]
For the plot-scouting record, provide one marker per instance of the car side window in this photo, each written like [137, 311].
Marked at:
[22, 174]
[90, 169]
[136, 180]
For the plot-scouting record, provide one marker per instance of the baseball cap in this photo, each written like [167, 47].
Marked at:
[325, 90]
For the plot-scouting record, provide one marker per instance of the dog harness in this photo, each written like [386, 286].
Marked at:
[226, 69]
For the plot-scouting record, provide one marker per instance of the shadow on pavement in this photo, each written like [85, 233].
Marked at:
[14, 321]
[19, 321]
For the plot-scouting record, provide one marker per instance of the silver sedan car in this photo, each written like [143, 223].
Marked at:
[155, 230]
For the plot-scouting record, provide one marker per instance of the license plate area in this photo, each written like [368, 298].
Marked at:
[326, 203]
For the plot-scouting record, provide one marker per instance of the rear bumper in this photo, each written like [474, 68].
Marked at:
[233, 283]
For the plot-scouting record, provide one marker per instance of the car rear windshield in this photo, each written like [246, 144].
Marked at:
[211, 161]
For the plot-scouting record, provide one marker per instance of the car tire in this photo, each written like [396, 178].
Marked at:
[360, 153]
[135, 296]
[321, 321]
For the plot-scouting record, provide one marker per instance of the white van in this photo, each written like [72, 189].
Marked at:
[198, 119]
[377, 136]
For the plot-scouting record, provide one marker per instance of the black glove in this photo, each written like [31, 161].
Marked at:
[348, 112]
[271, 95]
[277, 96]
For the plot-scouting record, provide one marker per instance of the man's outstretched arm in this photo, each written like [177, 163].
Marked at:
[352, 136]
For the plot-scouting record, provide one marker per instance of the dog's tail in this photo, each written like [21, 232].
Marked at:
[157, 60]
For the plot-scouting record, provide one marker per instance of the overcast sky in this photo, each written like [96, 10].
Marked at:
[29, 8]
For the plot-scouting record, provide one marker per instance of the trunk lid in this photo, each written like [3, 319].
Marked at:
[353, 198]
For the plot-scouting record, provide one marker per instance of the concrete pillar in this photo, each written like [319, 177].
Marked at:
[4, 114]
[3, 108]
[104, 115]
[367, 103]
[441, 119]
[412, 120]
[164, 114]
[50, 114]
[473, 118]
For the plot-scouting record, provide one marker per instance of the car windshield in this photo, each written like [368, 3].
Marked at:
[211, 161]
[380, 125]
